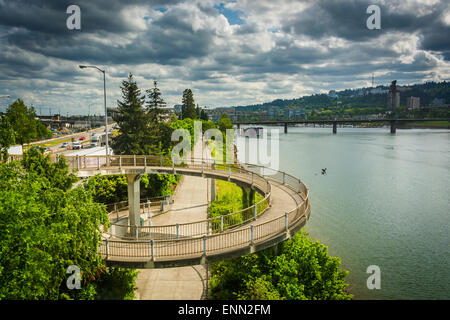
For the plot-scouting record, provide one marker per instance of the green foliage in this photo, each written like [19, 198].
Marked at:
[7, 137]
[188, 108]
[43, 230]
[224, 123]
[155, 104]
[186, 123]
[24, 123]
[203, 115]
[108, 189]
[298, 268]
[56, 174]
[111, 189]
[208, 124]
[141, 131]
[117, 284]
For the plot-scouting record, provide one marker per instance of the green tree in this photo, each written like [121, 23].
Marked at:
[132, 120]
[23, 121]
[224, 123]
[203, 115]
[7, 137]
[188, 108]
[56, 174]
[155, 103]
[47, 227]
[298, 268]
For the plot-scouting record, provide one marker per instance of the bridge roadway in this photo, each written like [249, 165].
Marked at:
[393, 122]
[283, 211]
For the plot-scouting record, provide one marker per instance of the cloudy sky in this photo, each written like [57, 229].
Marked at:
[228, 52]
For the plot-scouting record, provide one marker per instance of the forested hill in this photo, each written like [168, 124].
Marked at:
[362, 98]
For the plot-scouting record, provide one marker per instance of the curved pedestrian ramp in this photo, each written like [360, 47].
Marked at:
[283, 210]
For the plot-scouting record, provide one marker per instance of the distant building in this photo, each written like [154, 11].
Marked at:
[299, 113]
[378, 90]
[273, 113]
[438, 102]
[393, 96]
[288, 114]
[413, 103]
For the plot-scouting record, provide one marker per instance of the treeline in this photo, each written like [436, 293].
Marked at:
[349, 99]
[19, 126]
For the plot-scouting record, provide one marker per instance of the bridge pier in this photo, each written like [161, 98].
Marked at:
[249, 196]
[213, 190]
[393, 127]
[334, 127]
[285, 127]
[134, 213]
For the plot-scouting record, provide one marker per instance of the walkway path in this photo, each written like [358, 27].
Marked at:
[182, 283]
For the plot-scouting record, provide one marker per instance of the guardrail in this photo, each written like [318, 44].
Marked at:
[206, 244]
[212, 244]
[202, 227]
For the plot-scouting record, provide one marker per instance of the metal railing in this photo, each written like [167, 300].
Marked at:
[144, 250]
[208, 243]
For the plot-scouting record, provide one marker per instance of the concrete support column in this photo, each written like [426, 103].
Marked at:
[249, 196]
[134, 213]
[334, 127]
[285, 127]
[393, 127]
[213, 190]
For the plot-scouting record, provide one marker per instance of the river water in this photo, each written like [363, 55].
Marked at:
[384, 201]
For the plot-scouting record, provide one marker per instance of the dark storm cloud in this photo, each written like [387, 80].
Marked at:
[171, 39]
[347, 19]
[192, 44]
[49, 16]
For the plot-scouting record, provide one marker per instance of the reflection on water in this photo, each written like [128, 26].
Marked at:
[384, 201]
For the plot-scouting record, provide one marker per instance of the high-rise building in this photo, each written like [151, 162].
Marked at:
[413, 103]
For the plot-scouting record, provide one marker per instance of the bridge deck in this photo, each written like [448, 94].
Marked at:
[288, 212]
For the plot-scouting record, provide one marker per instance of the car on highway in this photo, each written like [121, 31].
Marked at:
[65, 145]
[77, 145]
[82, 138]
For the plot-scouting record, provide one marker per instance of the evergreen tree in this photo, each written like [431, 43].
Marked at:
[140, 130]
[155, 104]
[204, 115]
[131, 119]
[188, 108]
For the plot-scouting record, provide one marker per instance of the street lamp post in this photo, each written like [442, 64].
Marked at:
[104, 98]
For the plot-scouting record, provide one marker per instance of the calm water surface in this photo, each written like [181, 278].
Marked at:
[384, 202]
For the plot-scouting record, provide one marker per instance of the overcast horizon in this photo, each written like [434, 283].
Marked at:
[228, 52]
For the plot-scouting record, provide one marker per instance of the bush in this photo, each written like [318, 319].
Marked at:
[298, 268]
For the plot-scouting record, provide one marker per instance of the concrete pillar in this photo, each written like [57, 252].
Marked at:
[393, 127]
[213, 190]
[134, 213]
[334, 127]
[285, 127]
